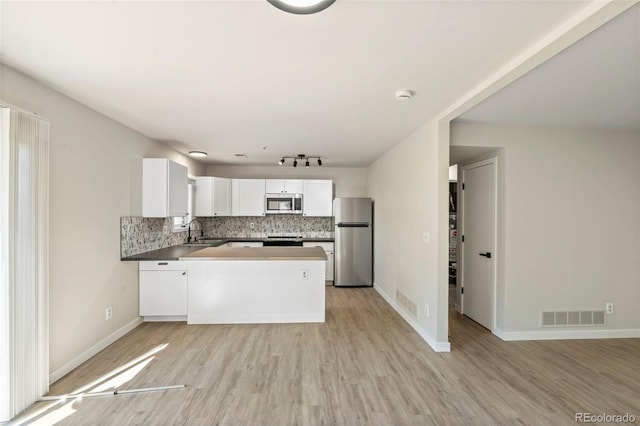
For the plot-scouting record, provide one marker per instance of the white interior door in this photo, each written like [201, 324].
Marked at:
[478, 247]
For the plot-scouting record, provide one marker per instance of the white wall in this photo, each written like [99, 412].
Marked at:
[405, 185]
[569, 201]
[347, 181]
[91, 158]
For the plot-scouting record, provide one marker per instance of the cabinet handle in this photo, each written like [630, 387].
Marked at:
[184, 273]
[163, 263]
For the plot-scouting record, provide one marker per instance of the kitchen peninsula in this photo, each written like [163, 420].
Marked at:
[237, 285]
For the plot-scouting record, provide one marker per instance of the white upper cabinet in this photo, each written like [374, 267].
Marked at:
[213, 196]
[288, 186]
[247, 197]
[318, 198]
[164, 188]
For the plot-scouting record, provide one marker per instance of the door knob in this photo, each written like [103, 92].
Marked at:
[487, 255]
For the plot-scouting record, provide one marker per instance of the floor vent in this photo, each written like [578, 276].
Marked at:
[573, 318]
[407, 304]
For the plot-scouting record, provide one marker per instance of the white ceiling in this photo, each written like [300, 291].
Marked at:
[231, 76]
[594, 83]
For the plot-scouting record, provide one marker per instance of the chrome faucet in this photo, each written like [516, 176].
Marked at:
[188, 225]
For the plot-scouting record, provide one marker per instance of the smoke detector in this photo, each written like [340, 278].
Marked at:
[404, 94]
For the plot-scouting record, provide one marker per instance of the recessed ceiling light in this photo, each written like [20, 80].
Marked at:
[404, 94]
[198, 154]
[302, 7]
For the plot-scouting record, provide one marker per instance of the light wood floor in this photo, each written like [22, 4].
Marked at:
[365, 365]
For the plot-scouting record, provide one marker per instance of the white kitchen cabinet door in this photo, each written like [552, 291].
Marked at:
[328, 273]
[222, 196]
[163, 293]
[328, 250]
[318, 197]
[283, 186]
[293, 186]
[178, 190]
[274, 186]
[164, 188]
[247, 197]
[213, 196]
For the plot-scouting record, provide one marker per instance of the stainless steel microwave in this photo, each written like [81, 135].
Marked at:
[283, 203]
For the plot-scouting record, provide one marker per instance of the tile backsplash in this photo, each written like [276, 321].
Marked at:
[263, 226]
[138, 234]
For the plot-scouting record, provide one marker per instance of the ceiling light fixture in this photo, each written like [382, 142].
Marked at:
[301, 158]
[302, 7]
[404, 94]
[198, 154]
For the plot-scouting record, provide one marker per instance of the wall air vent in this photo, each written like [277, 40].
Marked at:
[572, 318]
[407, 304]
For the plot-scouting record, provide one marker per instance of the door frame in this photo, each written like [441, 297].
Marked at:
[461, 220]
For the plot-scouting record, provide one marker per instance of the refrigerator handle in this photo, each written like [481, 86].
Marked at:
[352, 225]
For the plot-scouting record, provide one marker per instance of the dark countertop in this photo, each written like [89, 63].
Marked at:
[176, 252]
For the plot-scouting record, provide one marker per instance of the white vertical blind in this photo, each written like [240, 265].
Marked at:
[24, 204]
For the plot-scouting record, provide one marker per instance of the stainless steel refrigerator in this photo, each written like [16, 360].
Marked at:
[353, 242]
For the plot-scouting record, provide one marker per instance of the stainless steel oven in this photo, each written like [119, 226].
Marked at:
[283, 203]
[278, 241]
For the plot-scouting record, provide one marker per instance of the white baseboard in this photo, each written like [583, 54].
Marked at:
[84, 356]
[166, 318]
[567, 334]
[435, 345]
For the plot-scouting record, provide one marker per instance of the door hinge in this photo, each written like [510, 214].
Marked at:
[463, 238]
[462, 290]
[463, 186]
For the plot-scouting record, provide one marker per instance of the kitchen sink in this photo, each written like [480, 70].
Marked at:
[204, 243]
[210, 240]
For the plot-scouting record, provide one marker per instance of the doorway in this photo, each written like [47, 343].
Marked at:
[478, 225]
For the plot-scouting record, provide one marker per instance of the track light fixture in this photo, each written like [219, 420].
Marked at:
[301, 158]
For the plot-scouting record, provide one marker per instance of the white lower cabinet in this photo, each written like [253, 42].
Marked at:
[163, 290]
[328, 250]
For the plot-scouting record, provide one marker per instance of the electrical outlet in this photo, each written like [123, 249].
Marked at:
[609, 308]
[252, 225]
[305, 274]
[108, 313]
[426, 310]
